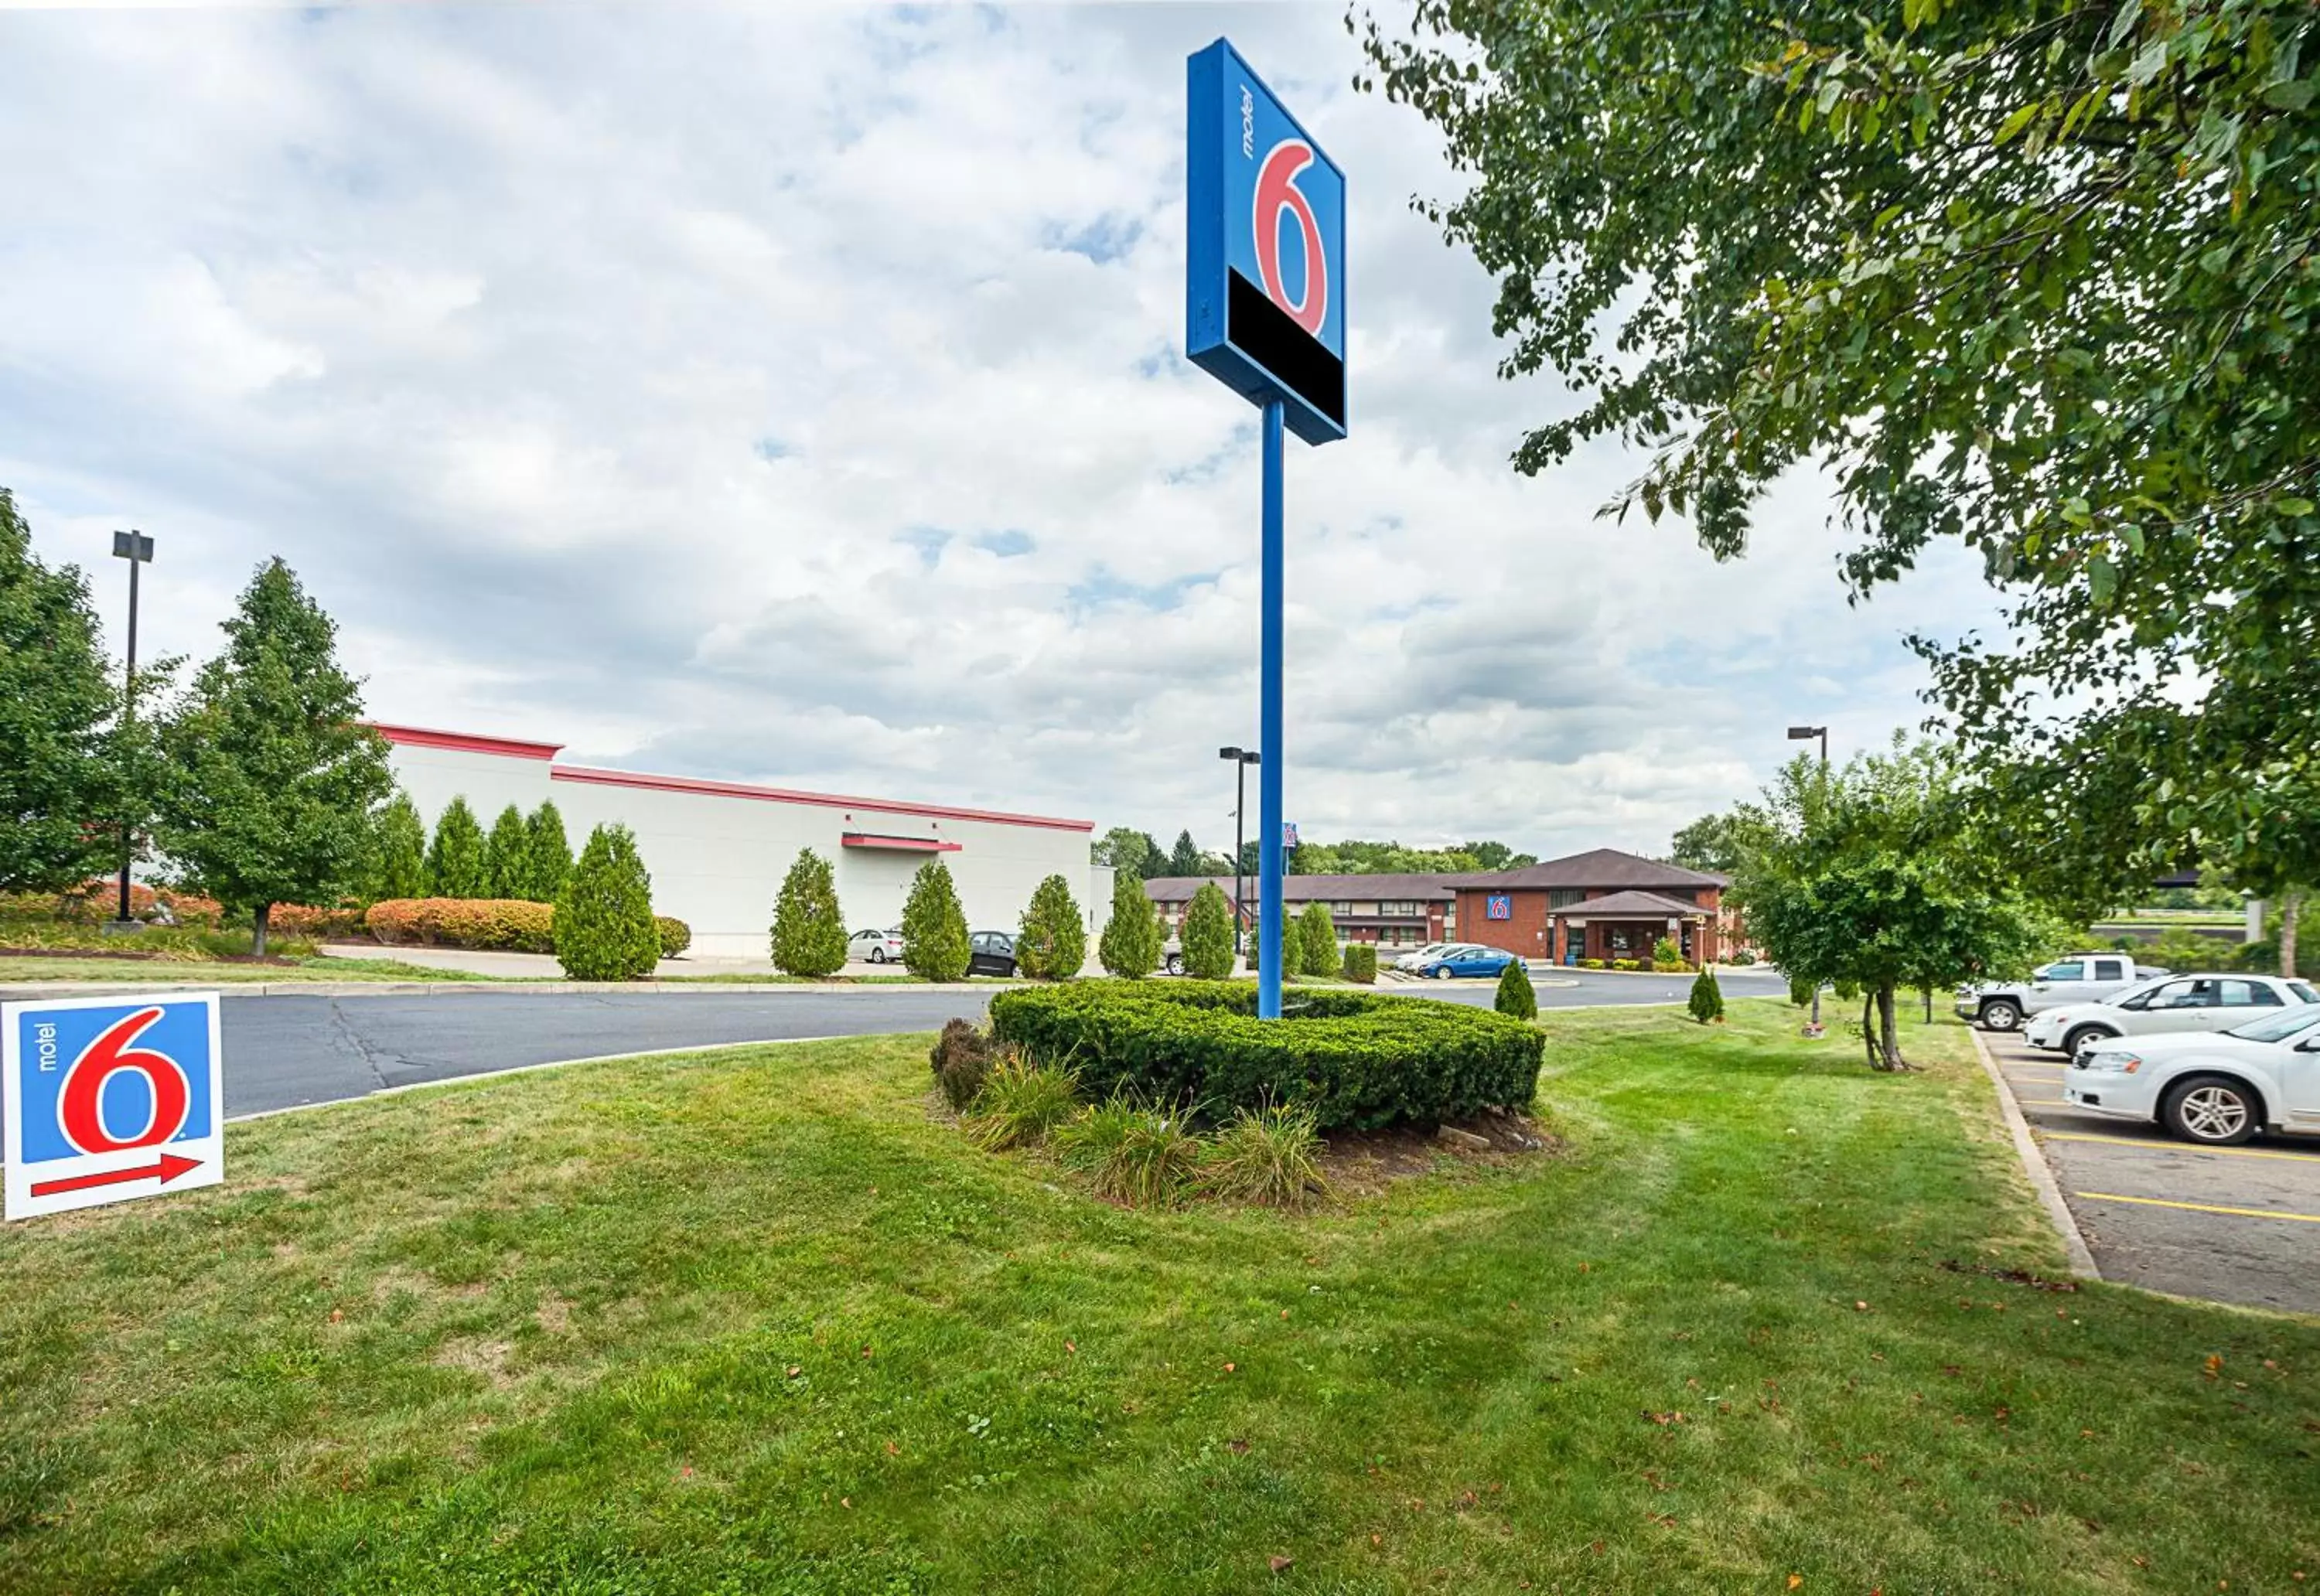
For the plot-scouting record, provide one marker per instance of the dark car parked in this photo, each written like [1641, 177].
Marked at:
[990, 953]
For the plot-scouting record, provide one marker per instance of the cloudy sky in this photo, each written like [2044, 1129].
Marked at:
[797, 394]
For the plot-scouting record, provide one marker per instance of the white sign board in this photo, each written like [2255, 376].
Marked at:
[110, 1098]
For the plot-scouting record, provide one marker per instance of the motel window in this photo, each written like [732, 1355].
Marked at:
[1341, 908]
[1403, 906]
[1563, 897]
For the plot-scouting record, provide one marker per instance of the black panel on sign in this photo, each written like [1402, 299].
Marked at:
[1266, 333]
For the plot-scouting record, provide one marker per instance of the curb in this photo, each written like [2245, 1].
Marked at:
[20, 991]
[2034, 1165]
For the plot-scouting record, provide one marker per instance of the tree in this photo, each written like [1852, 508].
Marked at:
[604, 925]
[1207, 936]
[1515, 996]
[458, 861]
[547, 856]
[934, 926]
[1319, 944]
[1132, 939]
[2033, 277]
[1292, 945]
[1872, 877]
[1130, 852]
[1052, 940]
[1706, 1002]
[809, 932]
[273, 779]
[1716, 842]
[398, 852]
[507, 856]
[1186, 858]
[61, 793]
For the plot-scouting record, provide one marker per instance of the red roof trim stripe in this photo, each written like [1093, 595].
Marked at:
[686, 784]
[914, 845]
[423, 736]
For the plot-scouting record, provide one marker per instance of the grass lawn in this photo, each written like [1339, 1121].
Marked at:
[198, 971]
[755, 1322]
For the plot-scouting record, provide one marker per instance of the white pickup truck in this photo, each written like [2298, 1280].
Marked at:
[2082, 978]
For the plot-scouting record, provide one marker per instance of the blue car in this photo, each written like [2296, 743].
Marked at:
[1466, 960]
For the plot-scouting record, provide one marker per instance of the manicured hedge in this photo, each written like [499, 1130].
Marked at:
[1354, 1059]
[505, 924]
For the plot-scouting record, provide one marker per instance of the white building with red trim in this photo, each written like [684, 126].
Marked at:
[718, 850]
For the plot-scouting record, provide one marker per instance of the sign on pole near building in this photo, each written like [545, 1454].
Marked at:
[1264, 314]
[110, 1098]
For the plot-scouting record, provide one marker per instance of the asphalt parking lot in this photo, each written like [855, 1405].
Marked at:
[2229, 1224]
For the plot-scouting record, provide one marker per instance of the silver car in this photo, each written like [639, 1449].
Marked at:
[875, 948]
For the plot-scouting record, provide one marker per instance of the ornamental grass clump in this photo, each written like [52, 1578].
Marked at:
[1270, 1155]
[1019, 1105]
[1136, 1153]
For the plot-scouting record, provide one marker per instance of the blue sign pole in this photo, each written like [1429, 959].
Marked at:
[1268, 693]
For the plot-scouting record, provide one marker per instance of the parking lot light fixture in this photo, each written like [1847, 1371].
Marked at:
[137, 548]
[1806, 733]
[1242, 759]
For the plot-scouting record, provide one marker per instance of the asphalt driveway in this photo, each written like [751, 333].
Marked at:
[2230, 1224]
[289, 1051]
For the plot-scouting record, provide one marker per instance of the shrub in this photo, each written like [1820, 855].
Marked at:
[1626, 964]
[1319, 943]
[1132, 939]
[456, 862]
[300, 919]
[1670, 966]
[1741, 957]
[1053, 943]
[1270, 1155]
[1207, 936]
[1351, 1058]
[1591, 963]
[547, 854]
[934, 926]
[1801, 991]
[1361, 961]
[1138, 1154]
[1707, 1000]
[100, 898]
[962, 1058]
[1667, 952]
[398, 861]
[1515, 998]
[1019, 1104]
[604, 925]
[507, 861]
[675, 936]
[508, 925]
[809, 931]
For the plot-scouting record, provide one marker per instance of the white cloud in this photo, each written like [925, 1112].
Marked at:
[796, 394]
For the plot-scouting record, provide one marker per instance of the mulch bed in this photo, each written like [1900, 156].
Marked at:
[1362, 1162]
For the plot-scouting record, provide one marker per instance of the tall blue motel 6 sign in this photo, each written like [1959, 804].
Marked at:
[110, 1098]
[1264, 314]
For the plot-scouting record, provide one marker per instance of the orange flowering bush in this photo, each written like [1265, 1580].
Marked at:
[505, 924]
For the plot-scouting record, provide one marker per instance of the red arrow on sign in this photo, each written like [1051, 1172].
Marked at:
[168, 1168]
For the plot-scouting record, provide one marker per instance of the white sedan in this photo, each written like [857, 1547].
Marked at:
[875, 948]
[2169, 1003]
[1418, 955]
[2218, 1089]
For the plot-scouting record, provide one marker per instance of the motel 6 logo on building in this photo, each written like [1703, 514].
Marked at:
[110, 1098]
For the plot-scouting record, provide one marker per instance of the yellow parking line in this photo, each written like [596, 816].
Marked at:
[2251, 1213]
[2176, 1146]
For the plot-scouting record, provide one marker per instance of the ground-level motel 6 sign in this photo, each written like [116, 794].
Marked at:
[1264, 314]
[110, 1098]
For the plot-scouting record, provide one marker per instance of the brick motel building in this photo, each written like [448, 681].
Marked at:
[1600, 904]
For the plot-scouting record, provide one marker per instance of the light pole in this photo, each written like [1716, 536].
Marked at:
[137, 548]
[1242, 759]
[1806, 734]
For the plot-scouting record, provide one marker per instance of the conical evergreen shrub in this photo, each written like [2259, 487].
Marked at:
[548, 854]
[457, 861]
[934, 926]
[507, 856]
[1052, 945]
[604, 926]
[1515, 997]
[1132, 939]
[1707, 1000]
[809, 933]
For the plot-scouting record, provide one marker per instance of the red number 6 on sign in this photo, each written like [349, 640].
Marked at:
[1277, 190]
[80, 1107]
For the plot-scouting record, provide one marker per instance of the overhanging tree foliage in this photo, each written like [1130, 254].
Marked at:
[2034, 274]
[273, 779]
[60, 793]
[1872, 877]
